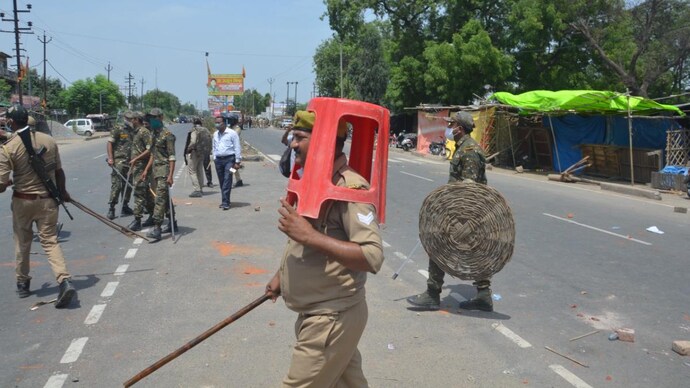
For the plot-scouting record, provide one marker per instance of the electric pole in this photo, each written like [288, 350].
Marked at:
[287, 96]
[129, 79]
[45, 41]
[296, 96]
[18, 49]
[142, 94]
[108, 69]
[270, 94]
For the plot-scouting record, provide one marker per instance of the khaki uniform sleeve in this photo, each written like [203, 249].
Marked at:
[5, 166]
[148, 139]
[361, 227]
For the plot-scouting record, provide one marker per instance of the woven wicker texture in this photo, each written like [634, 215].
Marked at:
[467, 229]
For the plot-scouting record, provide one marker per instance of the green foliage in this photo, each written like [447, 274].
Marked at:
[368, 71]
[188, 109]
[252, 102]
[5, 91]
[166, 101]
[87, 96]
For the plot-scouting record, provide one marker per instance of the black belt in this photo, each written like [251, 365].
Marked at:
[31, 197]
[225, 156]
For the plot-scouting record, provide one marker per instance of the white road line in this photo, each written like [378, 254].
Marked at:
[385, 244]
[99, 156]
[393, 161]
[138, 241]
[74, 351]
[56, 381]
[274, 156]
[121, 270]
[131, 253]
[266, 156]
[94, 314]
[405, 161]
[424, 273]
[400, 255]
[597, 229]
[109, 289]
[511, 335]
[569, 376]
[416, 176]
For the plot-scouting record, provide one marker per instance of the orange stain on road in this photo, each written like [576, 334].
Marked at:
[29, 367]
[248, 269]
[226, 249]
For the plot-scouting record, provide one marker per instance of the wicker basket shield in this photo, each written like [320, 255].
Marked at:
[467, 229]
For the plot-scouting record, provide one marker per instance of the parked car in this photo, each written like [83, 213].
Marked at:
[81, 126]
[101, 122]
[285, 123]
[182, 120]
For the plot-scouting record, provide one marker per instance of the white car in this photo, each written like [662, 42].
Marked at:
[81, 126]
[285, 123]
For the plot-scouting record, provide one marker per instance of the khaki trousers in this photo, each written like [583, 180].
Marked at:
[44, 212]
[326, 354]
[196, 170]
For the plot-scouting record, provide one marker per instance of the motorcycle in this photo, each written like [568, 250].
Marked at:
[438, 147]
[407, 141]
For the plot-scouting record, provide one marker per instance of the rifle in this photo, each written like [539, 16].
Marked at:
[39, 166]
[186, 147]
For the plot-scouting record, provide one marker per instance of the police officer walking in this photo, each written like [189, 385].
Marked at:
[162, 163]
[119, 153]
[33, 203]
[141, 150]
[468, 163]
[198, 149]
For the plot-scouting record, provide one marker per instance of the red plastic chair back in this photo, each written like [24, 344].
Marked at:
[370, 125]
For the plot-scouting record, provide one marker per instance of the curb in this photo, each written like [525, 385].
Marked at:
[631, 190]
[99, 136]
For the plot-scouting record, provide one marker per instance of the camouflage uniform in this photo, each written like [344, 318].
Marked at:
[468, 162]
[121, 139]
[142, 196]
[162, 152]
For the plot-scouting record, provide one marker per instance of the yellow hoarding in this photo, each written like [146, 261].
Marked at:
[225, 84]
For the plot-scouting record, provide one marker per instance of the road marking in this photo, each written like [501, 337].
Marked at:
[385, 244]
[121, 270]
[569, 376]
[405, 161]
[597, 229]
[265, 156]
[56, 381]
[511, 335]
[130, 253]
[400, 255]
[424, 273]
[416, 176]
[138, 241]
[94, 314]
[274, 156]
[393, 161]
[74, 350]
[109, 289]
[99, 156]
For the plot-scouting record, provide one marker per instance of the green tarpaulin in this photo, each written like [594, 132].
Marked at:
[583, 101]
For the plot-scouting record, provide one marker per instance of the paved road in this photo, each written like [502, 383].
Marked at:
[583, 261]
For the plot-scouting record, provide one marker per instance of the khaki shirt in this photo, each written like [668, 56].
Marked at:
[15, 160]
[163, 152]
[313, 283]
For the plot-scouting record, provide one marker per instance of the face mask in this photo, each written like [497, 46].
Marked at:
[449, 134]
[128, 124]
[289, 138]
[216, 125]
[156, 123]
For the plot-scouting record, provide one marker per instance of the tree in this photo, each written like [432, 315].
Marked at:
[5, 91]
[92, 96]
[166, 101]
[645, 44]
[368, 70]
[188, 109]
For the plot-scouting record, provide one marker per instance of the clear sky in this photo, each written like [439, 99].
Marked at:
[164, 42]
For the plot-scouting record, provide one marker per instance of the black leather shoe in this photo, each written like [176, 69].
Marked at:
[135, 225]
[111, 213]
[209, 184]
[166, 228]
[239, 184]
[126, 210]
[24, 289]
[154, 234]
[66, 294]
[148, 222]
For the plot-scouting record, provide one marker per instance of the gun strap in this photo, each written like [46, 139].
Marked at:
[25, 135]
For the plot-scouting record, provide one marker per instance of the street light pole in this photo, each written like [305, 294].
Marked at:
[100, 102]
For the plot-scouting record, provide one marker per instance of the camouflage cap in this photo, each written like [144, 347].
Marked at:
[17, 113]
[155, 112]
[137, 115]
[464, 119]
[129, 115]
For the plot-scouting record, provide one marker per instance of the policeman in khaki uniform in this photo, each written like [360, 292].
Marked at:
[199, 147]
[468, 163]
[322, 275]
[32, 203]
[162, 166]
[141, 150]
[119, 150]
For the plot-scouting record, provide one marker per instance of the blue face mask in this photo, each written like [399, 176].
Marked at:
[156, 123]
[449, 133]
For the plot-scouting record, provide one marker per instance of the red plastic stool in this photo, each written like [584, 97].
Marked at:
[370, 123]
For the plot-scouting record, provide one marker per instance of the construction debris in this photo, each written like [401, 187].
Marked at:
[681, 347]
[626, 334]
